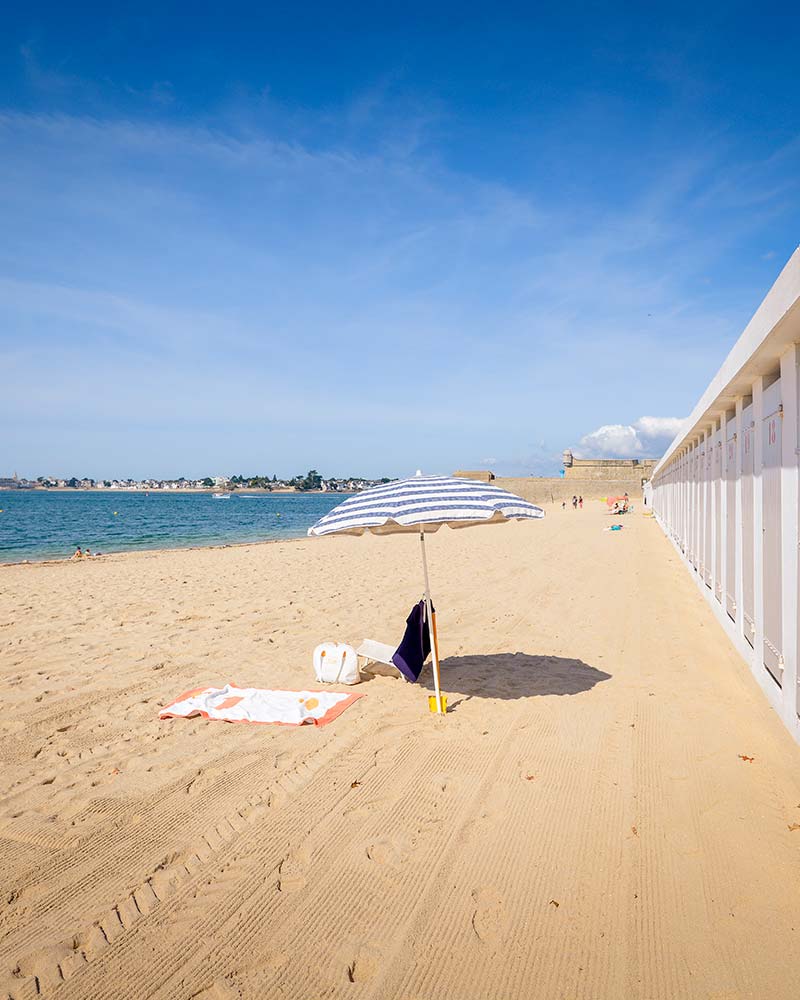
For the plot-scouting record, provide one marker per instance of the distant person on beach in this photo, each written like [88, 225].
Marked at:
[563, 504]
[580, 502]
[77, 554]
[574, 503]
[88, 553]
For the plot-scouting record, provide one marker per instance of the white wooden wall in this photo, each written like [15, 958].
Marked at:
[728, 498]
[772, 529]
[748, 623]
[729, 530]
[716, 512]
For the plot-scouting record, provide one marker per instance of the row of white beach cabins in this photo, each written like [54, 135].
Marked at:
[726, 492]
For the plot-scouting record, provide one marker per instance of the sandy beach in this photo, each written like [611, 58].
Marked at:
[610, 808]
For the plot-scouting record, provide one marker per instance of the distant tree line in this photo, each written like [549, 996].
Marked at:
[312, 480]
[254, 482]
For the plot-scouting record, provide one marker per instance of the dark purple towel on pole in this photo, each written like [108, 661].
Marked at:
[413, 650]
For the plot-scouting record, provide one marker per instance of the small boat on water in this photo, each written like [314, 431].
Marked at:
[221, 496]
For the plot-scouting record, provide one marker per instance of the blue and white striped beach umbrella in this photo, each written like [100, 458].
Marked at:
[423, 504]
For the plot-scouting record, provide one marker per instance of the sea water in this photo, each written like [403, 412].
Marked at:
[36, 525]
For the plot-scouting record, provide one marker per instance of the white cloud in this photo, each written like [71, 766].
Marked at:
[647, 437]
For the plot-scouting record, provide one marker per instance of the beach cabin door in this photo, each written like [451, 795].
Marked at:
[698, 510]
[771, 486]
[682, 503]
[717, 513]
[730, 517]
[689, 508]
[707, 522]
[748, 611]
[699, 464]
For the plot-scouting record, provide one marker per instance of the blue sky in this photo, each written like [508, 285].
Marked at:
[260, 238]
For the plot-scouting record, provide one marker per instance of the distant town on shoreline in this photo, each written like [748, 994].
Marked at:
[584, 475]
[310, 482]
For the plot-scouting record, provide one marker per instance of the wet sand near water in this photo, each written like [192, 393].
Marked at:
[610, 808]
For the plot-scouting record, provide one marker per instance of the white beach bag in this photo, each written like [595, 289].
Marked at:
[336, 663]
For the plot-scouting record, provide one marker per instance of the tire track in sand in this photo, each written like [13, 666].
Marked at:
[438, 798]
[103, 861]
[250, 867]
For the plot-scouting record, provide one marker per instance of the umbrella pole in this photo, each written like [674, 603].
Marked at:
[431, 625]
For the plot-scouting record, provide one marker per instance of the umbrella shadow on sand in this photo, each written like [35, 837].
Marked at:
[512, 675]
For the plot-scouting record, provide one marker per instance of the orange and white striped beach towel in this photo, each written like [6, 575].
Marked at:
[283, 708]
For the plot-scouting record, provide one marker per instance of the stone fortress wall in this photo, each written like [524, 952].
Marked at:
[543, 490]
[590, 478]
[608, 470]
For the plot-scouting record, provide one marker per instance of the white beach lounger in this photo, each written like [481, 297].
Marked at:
[377, 658]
